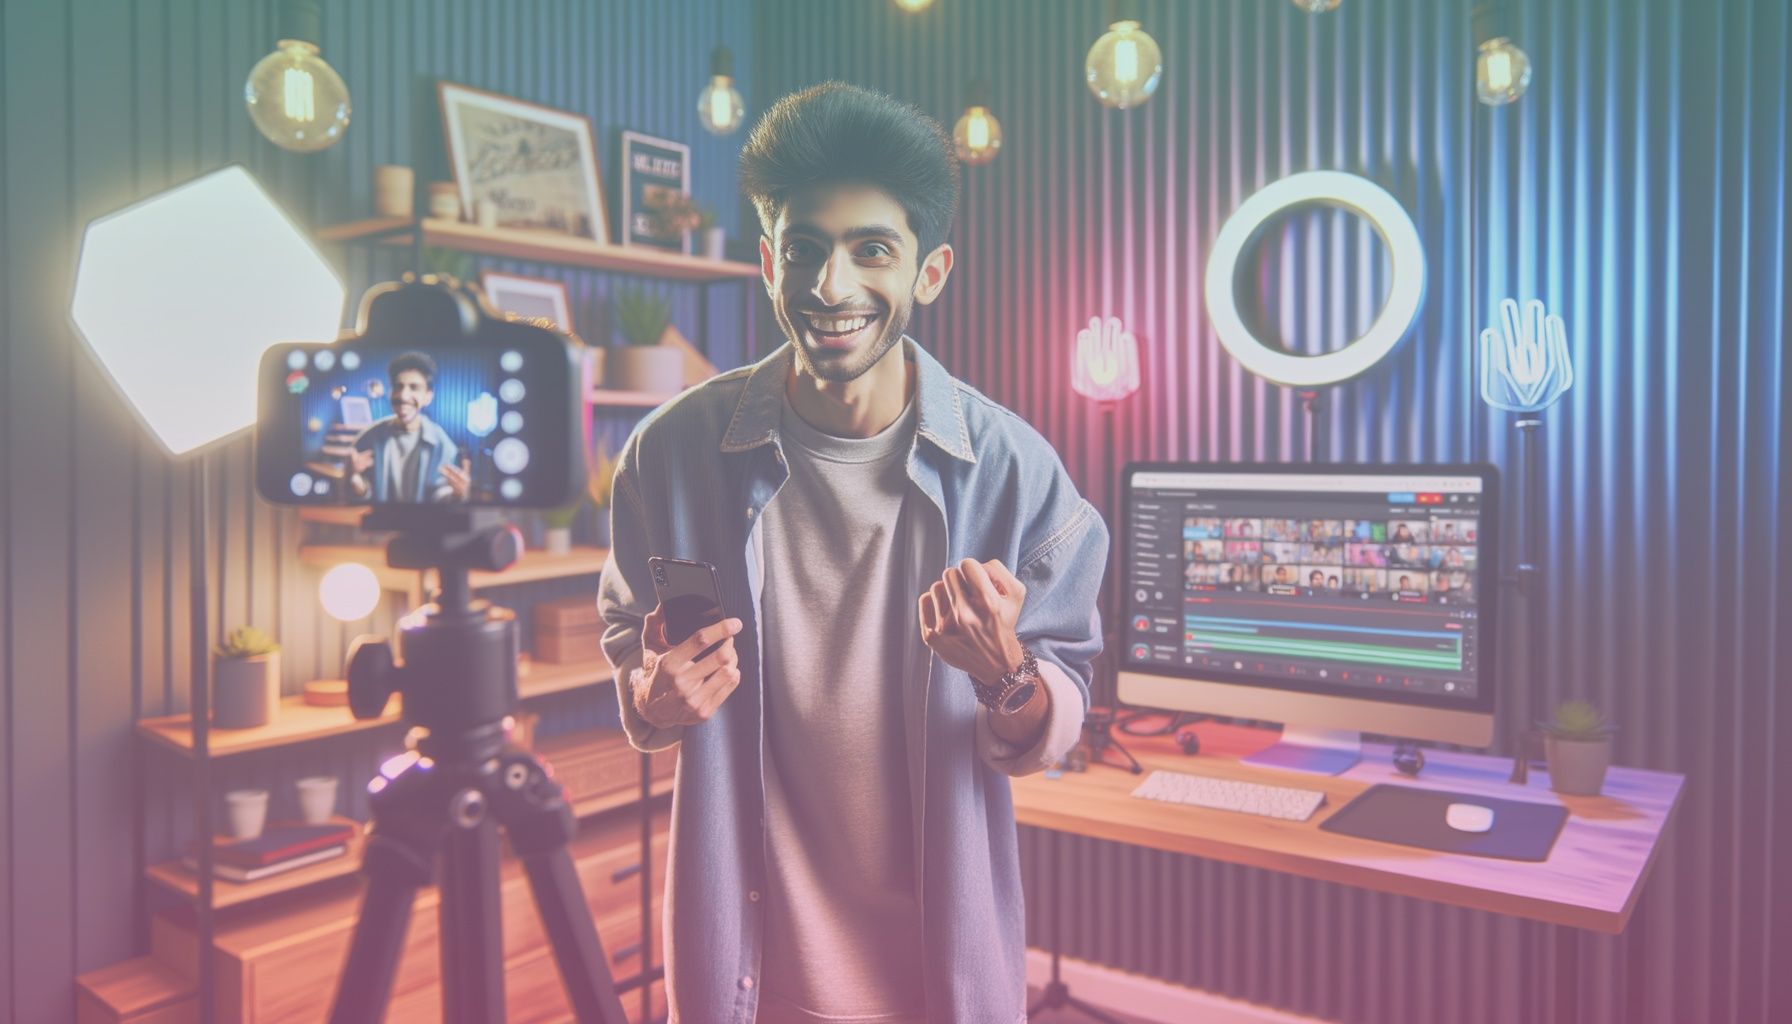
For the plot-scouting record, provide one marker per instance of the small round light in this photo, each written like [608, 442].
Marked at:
[512, 422]
[300, 484]
[1123, 66]
[511, 390]
[511, 361]
[511, 488]
[295, 360]
[325, 360]
[351, 360]
[349, 592]
[1502, 72]
[977, 136]
[510, 455]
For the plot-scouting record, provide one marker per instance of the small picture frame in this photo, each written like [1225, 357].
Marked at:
[652, 167]
[530, 299]
[537, 165]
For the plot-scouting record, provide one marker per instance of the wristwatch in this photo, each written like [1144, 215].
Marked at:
[1012, 691]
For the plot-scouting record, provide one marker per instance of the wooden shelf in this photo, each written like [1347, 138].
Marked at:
[180, 879]
[542, 247]
[533, 566]
[611, 398]
[299, 722]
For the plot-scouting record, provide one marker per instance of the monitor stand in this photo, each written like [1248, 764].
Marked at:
[1319, 751]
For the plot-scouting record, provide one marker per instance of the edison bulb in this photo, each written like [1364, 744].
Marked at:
[296, 99]
[977, 136]
[720, 107]
[914, 5]
[1316, 6]
[1502, 72]
[1123, 67]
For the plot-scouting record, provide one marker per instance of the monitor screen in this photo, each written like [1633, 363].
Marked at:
[1365, 582]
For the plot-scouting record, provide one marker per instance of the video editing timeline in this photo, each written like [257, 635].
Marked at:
[1358, 581]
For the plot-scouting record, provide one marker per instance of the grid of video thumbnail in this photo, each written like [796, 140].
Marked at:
[1409, 557]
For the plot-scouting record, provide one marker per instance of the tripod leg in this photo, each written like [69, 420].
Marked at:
[472, 940]
[394, 874]
[539, 822]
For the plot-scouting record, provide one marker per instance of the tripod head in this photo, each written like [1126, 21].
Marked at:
[458, 675]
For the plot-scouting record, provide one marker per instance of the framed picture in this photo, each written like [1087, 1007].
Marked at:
[652, 170]
[533, 299]
[538, 165]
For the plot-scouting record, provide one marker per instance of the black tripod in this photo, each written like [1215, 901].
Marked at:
[458, 783]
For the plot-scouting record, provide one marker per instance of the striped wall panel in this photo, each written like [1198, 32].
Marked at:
[101, 104]
[1639, 188]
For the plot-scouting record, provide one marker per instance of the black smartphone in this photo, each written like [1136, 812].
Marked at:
[434, 401]
[690, 595]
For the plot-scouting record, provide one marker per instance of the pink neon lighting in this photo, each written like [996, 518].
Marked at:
[1107, 361]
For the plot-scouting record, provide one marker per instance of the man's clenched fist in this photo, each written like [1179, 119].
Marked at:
[968, 618]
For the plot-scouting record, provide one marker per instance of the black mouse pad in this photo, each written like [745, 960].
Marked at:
[1415, 817]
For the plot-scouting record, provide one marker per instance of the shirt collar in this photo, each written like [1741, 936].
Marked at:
[761, 402]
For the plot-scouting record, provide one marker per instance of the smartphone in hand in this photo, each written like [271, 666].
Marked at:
[690, 596]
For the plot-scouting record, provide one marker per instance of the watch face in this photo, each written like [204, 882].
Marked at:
[1019, 698]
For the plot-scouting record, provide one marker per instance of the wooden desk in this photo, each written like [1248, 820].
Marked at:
[1591, 879]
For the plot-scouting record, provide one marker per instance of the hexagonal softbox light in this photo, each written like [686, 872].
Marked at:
[177, 297]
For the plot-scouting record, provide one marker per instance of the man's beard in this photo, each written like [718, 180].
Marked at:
[840, 372]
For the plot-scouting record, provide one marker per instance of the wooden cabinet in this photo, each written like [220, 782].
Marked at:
[279, 960]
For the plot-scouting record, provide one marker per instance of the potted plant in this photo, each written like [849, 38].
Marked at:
[715, 241]
[245, 679]
[599, 475]
[675, 213]
[557, 539]
[1577, 744]
[643, 364]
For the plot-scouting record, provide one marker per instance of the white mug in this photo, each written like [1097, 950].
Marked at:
[317, 798]
[248, 812]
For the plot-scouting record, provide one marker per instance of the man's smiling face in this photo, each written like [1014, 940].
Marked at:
[842, 268]
[411, 394]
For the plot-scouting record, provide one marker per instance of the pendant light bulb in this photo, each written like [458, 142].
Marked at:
[720, 107]
[1124, 66]
[295, 99]
[914, 5]
[978, 135]
[1316, 6]
[1502, 72]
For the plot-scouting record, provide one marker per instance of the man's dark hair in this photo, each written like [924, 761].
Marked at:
[412, 361]
[839, 133]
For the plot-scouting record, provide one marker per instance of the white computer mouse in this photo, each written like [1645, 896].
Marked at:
[1468, 817]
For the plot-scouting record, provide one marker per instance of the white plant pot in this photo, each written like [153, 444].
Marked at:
[247, 812]
[715, 243]
[317, 798]
[557, 540]
[654, 368]
[245, 691]
[1577, 767]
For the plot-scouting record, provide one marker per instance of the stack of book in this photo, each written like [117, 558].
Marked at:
[282, 846]
[568, 631]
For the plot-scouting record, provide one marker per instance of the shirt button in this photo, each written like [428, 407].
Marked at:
[746, 983]
[753, 896]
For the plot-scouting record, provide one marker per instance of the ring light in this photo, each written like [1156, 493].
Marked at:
[1351, 192]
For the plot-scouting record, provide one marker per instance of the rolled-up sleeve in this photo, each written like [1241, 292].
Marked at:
[1061, 624]
[624, 597]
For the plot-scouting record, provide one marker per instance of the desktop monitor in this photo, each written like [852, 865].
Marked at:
[1332, 599]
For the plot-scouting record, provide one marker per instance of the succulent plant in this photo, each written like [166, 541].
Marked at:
[246, 642]
[1577, 720]
[562, 518]
[641, 315]
[600, 473]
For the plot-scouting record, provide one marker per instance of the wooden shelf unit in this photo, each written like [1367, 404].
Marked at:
[613, 399]
[532, 567]
[541, 247]
[299, 722]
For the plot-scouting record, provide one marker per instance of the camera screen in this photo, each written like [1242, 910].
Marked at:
[452, 424]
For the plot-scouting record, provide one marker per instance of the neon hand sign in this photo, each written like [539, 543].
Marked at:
[1107, 361]
[1525, 366]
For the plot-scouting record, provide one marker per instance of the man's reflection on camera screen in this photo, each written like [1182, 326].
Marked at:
[408, 457]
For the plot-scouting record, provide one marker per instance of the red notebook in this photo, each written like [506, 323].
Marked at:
[281, 841]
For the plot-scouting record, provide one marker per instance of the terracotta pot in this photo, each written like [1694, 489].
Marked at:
[1577, 767]
[654, 368]
[245, 691]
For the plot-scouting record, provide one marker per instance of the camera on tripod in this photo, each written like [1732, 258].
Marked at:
[441, 415]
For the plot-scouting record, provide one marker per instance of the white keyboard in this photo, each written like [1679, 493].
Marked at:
[1229, 795]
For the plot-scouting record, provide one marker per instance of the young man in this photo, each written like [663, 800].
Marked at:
[408, 456]
[911, 579]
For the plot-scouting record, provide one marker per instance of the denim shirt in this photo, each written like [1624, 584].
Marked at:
[691, 483]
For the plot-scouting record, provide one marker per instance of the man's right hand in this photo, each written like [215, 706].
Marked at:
[675, 686]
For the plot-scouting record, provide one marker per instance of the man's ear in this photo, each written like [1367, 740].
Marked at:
[766, 269]
[934, 271]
